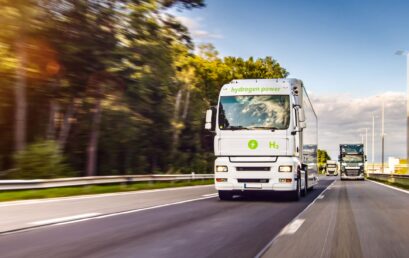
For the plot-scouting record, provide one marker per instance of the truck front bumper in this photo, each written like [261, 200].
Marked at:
[260, 176]
[345, 176]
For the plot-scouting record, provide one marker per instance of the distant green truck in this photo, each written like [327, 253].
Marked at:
[352, 161]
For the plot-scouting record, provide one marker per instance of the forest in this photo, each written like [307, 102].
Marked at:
[108, 87]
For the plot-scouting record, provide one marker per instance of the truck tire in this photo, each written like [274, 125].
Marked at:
[296, 194]
[225, 195]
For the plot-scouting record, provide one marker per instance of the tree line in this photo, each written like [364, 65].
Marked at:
[97, 87]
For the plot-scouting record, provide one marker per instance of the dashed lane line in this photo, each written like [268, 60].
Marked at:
[264, 250]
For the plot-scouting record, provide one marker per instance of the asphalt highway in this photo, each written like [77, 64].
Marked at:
[351, 219]
[347, 219]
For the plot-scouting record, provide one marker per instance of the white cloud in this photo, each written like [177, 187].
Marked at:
[342, 118]
[195, 26]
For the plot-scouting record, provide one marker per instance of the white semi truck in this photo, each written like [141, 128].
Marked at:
[352, 159]
[331, 168]
[261, 126]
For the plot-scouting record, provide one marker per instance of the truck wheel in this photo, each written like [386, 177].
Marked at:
[296, 194]
[225, 195]
[305, 190]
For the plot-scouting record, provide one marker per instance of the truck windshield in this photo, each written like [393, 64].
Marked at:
[254, 112]
[352, 158]
[331, 165]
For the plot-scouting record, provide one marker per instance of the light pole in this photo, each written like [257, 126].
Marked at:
[366, 141]
[406, 53]
[373, 143]
[383, 135]
[366, 150]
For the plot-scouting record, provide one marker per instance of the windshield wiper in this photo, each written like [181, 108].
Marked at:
[265, 127]
[233, 128]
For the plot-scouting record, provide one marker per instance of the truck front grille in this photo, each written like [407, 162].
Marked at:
[252, 180]
[352, 172]
[253, 168]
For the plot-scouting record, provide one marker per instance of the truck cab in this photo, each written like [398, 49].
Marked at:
[352, 161]
[260, 127]
[331, 168]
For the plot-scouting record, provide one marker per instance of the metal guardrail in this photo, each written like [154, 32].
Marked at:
[387, 176]
[95, 180]
[398, 179]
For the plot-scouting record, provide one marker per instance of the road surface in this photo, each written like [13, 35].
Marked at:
[349, 219]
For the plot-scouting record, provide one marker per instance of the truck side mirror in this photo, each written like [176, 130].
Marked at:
[301, 115]
[303, 125]
[339, 158]
[210, 122]
[366, 159]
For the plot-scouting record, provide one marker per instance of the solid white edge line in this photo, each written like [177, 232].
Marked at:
[212, 195]
[102, 216]
[90, 196]
[64, 219]
[389, 186]
[264, 250]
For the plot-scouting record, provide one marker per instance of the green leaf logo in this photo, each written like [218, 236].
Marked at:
[252, 144]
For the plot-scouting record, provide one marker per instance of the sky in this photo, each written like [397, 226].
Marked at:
[344, 51]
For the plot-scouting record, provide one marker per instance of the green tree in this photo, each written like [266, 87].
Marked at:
[41, 160]
[206, 73]
[116, 85]
[322, 159]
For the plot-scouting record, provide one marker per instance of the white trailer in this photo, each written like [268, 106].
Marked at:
[261, 126]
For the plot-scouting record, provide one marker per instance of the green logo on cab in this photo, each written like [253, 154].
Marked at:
[252, 144]
[274, 145]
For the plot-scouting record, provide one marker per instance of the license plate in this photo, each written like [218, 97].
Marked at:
[252, 186]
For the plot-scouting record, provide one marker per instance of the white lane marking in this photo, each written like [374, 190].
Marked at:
[90, 196]
[321, 196]
[64, 219]
[264, 250]
[106, 215]
[210, 195]
[392, 187]
[332, 218]
[292, 227]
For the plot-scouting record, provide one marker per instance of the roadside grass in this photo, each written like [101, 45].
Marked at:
[94, 189]
[400, 184]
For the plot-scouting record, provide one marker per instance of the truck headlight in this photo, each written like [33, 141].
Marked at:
[285, 168]
[221, 169]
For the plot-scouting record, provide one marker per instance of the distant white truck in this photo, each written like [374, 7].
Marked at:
[332, 168]
[260, 128]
